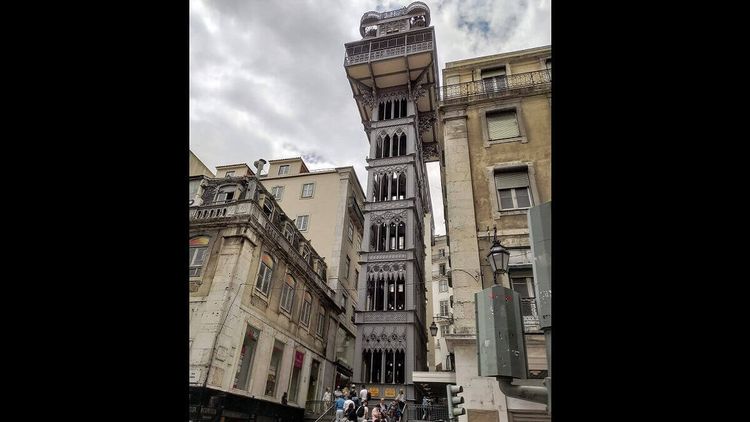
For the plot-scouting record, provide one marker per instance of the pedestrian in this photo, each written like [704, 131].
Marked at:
[363, 412]
[340, 409]
[363, 393]
[337, 393]
[327, 399]
[350, 413]
[283, 398]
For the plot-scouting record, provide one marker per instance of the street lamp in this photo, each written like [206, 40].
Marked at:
[498, 257]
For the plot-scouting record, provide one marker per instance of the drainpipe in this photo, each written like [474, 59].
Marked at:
[534, 393]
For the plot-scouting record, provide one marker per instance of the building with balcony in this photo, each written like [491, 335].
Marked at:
[494, 114]
[442, 304]
[392, 72]
[263, 319]
[326, 206]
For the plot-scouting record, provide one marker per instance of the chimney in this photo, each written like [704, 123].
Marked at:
[259, 164]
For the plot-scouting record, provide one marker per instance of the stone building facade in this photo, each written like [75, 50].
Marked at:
[262, 317]
[495, 116]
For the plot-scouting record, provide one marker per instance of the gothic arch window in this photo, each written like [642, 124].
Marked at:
[381, 110]
[370, 302]
[403, 107]
[401, 236]
[379, 292]
[374, 237]
[391, 293]
[386, 147]
[388, 105]
[402, 144]
[400, 291]
[401, 186]
[393, 181]
[392, 237]
[382, 237]
[379, 147]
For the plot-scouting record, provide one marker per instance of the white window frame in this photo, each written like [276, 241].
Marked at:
[284, 169]
[493, 191]
[321, 329]
[287, 294]
[306, 219]
[312, 190]
[443, 286]
[194, 266]
[262, 267]
[444, 306]
[515, 106]
[277, 192]
[289, 233]
[515, 199]
[306, 309]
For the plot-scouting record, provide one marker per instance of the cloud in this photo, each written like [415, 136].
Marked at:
[267, 78]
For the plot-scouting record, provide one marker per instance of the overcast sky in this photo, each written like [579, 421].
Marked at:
[267, 77]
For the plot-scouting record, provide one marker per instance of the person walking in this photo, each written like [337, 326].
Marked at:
[350, 413]
[327, 399]
[340, 409]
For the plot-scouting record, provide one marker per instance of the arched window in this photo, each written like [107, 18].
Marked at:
[384, 187]
[391, 293]
[380, 293]
[401, 236]
[198, 249]
[381, 111]
[374, 237]
[289, 233]
[366, 365]
[306, 306]
[400, 366]
[387, 110]
[268, 207]
[287, 293]
[402, 144]
[382, 237]
[403, 107]
[386, 146]
[265, 273]
[396, 109]
[389, 367]
[392, 237]
[394, 186]
[306, 253]
[379, 147]
[370, 301]
[376, 187]
[402, 186]
[400, 292]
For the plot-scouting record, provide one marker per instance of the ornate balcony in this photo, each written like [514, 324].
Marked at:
[506, 86]
[530, 315]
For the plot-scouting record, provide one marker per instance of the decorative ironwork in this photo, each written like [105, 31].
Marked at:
[426, 120]
[367, 99]
[529, 313]
[430, 152]
[529, 82]
[388, 52]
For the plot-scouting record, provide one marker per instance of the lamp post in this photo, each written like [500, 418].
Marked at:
[434, 328]
[498, 257]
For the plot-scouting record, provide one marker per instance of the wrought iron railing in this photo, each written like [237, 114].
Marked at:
[388, 52]
[496, 87]
[426, 412]
[529, 313]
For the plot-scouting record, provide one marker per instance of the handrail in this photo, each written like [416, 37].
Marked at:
[326, 412]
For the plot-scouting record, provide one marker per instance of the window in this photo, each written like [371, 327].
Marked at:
[302, 222]
[194, 186]
[307, 190]
[306, 306]
[494, 79]
[444, 308]
[442, 269]
[264, 274]
[444, 329]
[306, 253]
[343, 301]
[268, 207]
[247, 354]
[321, 321]
[289, 233]
[277, 192]
[356, 279]
[348, 264]
[273, 368]
[229, 174]
[502, 124]
[351, 232]
[354, 310]
[287, 293]
[284, 169]
[443, 285]
[441, 253]
[226, 193]
[513, 190]
[198, 249]
[548, 63]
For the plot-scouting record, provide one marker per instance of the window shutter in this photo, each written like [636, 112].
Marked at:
[502, 125]
[489, 73]
[508, 180]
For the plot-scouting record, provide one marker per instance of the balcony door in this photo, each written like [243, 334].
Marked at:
[494, 79]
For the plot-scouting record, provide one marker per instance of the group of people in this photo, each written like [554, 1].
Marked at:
[353, 406]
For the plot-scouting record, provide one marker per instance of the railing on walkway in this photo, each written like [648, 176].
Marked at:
[427, 412]
[318, 409]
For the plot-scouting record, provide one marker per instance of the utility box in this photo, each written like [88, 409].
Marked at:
[500, 342]
[540, 232]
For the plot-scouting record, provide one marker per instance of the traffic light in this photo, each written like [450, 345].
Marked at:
[454, 400]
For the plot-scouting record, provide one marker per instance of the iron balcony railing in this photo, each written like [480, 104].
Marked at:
[509, 85]
[427, 412]
[529, 313]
